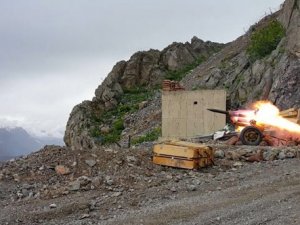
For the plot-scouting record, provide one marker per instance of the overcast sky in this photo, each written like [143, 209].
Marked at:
[54, 53]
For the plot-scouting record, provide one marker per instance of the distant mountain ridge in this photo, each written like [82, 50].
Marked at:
[17, 141]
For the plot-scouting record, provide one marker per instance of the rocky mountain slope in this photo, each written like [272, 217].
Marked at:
[129, 84]
[261, 64]
[275, 77]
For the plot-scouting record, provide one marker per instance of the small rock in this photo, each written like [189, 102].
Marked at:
[237, 164]
[143, 104]
[109, 181]
[130, 159]
[233, 140]
[232, 155]
[74, 186]
[62, 170]
[84, 216]
[219, 188]
[290, 155]
[20, 194]
[42, 167]
[219, 154]
[116, 194]
[30, 195]
[270, 155]
[96, 181]
[16, 177]
[52, 206]
[169, 177]
[25, 192]
[173, 189]
[281, 155]
[79, 182]
[256, 157]
[191, 187]
[84, 180]
[90, 162]
[196, 182]
[105, 130]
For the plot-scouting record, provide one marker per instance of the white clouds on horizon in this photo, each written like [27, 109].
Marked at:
[43, 103]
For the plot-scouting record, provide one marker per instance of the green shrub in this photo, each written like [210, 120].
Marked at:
[150, 136]
[265, 40]
[118, 124]
[115, 134]
[115, 117]
[95, 132]
[179, 74]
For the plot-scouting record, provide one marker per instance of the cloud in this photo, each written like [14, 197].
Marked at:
[43, 102]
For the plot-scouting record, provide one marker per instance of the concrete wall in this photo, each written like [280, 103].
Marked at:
[185, 114]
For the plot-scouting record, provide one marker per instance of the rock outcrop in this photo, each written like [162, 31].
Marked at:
[275, 77]
[144, 69]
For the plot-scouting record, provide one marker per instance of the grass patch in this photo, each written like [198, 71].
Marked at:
[179, 74]
[115, 133]
[129, 103]
[150, 136]
[265, 40]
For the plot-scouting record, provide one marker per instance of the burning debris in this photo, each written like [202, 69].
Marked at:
[264, 122]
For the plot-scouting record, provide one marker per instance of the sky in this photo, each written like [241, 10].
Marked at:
[54, 53]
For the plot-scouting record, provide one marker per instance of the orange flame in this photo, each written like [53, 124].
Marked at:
[267, 114]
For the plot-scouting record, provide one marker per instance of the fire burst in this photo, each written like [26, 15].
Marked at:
[267, 114]
[264, 121]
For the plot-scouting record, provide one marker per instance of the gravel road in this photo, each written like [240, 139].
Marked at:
[266, 194]
[229, 193]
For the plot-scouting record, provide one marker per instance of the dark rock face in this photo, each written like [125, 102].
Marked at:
[81, 119]
[285, 91]
[147, 69]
